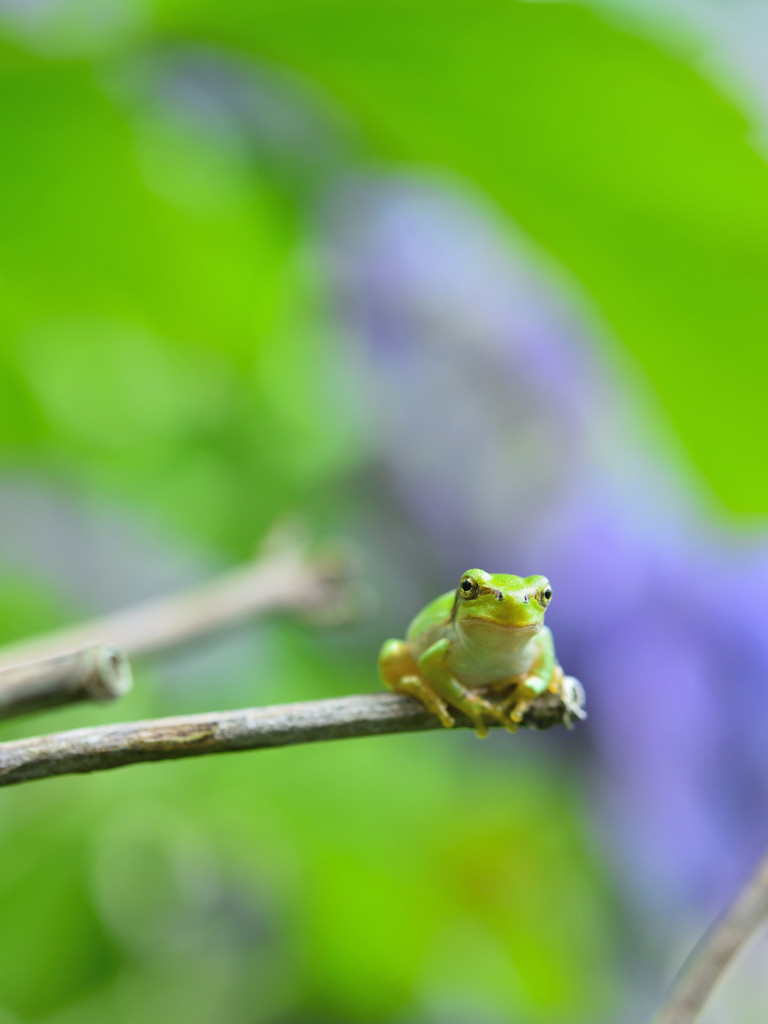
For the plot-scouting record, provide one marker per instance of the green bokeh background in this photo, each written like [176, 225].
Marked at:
[167, 356]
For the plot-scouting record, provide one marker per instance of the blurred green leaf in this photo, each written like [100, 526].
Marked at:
[617, 157]
[160, 327]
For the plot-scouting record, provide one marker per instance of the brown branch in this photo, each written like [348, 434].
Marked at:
[282, 579]
[715, 950]
[110, 746]
[100, 673]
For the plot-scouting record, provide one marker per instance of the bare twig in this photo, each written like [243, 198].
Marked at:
[96, 749]
[715, 950]
[99, 673]
[283, 578]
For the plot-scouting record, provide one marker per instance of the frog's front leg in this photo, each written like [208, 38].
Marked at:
[545, 674]
[524, 693]
[433, 666]
[400, 673]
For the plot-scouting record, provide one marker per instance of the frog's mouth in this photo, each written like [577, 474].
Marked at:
[530, 629]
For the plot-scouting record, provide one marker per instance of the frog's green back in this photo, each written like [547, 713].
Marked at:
[431, 620]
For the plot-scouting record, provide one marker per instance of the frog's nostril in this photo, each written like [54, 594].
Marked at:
[499, 595]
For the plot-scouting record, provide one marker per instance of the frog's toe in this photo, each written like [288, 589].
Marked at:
[509, 723]
[516, 705]
[477, 708]
[480, 724]
[556, 681]
[441, 710]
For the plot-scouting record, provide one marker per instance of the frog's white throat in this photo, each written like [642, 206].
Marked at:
[485, 635]
[491, 651]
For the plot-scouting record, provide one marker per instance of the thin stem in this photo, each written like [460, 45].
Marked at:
[110, 746]
[715, 950]
[283, 578]
[100, 673]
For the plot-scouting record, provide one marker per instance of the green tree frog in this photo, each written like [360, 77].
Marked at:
[482, 649]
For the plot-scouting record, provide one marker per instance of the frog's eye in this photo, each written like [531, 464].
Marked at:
[545, 596]
[468, 588]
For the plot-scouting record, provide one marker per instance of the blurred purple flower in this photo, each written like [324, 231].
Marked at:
[514, 444]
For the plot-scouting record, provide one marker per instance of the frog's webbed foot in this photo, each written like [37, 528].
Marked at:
[514, 706]
[477, 709]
